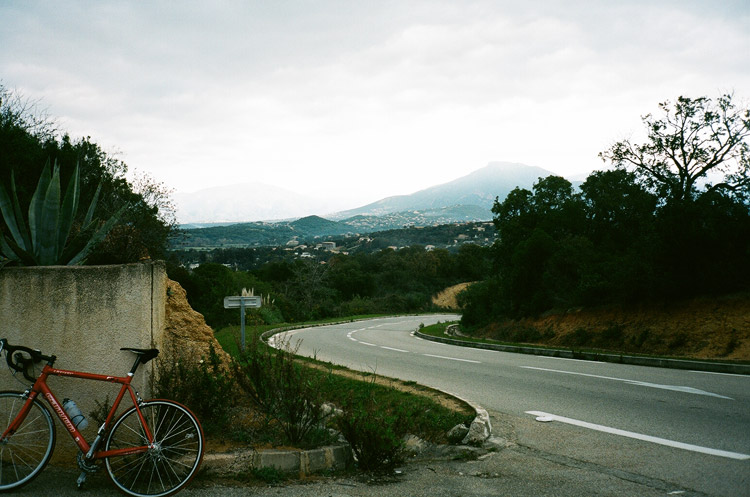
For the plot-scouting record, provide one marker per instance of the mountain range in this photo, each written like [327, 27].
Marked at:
[475, 193]
[466, 199]
[479, 189]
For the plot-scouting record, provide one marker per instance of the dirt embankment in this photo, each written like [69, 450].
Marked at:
[447, 298]
[705, 328]
[186, 334]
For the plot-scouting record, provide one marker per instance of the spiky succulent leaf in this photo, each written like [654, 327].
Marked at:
[69, 210]
[37, 206]
[47, 240]
[90, 212]
[12, 213]
[97, 237]
[6, 252]
[25, 241]
[16, 253]
[46, 247]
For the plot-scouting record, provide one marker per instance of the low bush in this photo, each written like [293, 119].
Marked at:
[285, 391]
[612, 336]
[206, 388]
[375, 418]
[374, 433]
[580, 337]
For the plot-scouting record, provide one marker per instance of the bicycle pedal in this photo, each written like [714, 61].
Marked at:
[81, 480]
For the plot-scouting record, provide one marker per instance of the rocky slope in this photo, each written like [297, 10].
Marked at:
[186, 334]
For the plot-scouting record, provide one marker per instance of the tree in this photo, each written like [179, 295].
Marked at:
[618, 208]
[697, 143]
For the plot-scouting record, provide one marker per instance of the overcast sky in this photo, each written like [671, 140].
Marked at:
[365, 99]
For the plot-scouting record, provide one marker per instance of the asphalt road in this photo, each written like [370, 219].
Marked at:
[686, 429]
[576, 452]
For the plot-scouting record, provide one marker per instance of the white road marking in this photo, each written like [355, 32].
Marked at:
[723, 374]
[452, 358]
[675, 388]
[367, 343]
[391, 348]
[646, 438]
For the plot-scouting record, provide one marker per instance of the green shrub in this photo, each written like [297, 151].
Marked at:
[374, 433]
[642, 338]
[678, 341]
[613, 335]
[518, 333]
[206, 388]
[285, 391]
[580, 337]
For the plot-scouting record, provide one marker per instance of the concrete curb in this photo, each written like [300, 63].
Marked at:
[713, 367]
[302, 462]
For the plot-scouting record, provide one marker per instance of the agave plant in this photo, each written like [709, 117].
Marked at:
[45, 236]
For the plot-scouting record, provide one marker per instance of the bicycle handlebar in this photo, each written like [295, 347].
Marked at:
[17, 361]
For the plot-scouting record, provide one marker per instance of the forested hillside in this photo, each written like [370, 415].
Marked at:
[312, 229]
[385, 281]
[670, 222]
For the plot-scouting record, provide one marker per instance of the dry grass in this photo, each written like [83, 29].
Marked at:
[447, 298]
[704, 328]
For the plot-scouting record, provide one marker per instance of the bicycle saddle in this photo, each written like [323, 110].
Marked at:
[145, 354]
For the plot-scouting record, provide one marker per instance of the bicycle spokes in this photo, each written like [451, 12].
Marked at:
[24, 453]
[169, 462]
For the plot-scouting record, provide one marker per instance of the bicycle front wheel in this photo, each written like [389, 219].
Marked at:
[170, 462]
[24, 454]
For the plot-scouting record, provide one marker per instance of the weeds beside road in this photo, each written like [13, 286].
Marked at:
[267, 397]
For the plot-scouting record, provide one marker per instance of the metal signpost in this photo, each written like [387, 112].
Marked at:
[235, 302]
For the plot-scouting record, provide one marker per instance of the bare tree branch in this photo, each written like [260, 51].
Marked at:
[695, 139]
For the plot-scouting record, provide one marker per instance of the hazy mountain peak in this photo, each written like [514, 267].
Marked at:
[479, 188]
[246, 202]
[257, 201]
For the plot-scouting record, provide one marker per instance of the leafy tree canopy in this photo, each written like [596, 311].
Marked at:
[698, 145]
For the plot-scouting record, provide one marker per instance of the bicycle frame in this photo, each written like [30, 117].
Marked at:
[40, 387]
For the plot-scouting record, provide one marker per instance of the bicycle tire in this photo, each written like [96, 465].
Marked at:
[165, 468]
[25, 454]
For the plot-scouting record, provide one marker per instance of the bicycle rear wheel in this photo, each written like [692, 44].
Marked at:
[170, 463]
[24, 454]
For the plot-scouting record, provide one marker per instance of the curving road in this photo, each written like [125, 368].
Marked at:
[667, 428]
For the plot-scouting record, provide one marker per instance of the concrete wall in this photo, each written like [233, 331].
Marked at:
[83, 315]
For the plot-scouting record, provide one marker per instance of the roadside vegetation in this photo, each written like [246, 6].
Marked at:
[669, 222]
[597, 331]
[383, 282]
[118, 221]
[268, 397]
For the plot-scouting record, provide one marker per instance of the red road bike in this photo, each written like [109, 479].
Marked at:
[153, 448]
